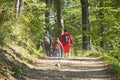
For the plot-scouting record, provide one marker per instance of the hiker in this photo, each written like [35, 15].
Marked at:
[48, 44]
[57, 47]
[66, 40]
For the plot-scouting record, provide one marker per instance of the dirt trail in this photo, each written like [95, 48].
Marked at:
[85, 68]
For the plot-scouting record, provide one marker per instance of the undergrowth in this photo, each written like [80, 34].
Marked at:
[14, 58]
[114, 64]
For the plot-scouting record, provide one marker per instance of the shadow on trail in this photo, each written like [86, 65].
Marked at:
[75, 59]
[67, 71]
[86, 67]
[64, 75]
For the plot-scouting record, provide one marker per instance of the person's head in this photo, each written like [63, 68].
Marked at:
[65, 31]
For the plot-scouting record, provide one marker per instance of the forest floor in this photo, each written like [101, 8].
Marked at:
[84, 68]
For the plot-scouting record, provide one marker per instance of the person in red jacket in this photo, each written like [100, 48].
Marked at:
[66, 40]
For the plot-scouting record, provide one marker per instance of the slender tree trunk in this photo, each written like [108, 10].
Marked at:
[21, 4]
[59, 18]
[85, 25]
[18, 6]
[16, 2]
[47, 15]
[101, 15]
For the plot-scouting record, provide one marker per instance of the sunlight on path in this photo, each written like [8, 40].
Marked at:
[84, 68]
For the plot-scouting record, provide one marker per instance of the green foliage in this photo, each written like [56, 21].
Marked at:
[27, 28]
[5, 21]
[116, 69]
[114, 65]
[111, 26]
[2, 36]
[17, 71]
[91, 53]
[32, 52]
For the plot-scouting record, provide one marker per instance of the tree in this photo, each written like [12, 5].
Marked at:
[19, 6]
[85, 25]
[59, 18]
[101, 15]
[47, 14]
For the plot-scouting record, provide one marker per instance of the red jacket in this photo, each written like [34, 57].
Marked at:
[63, 39]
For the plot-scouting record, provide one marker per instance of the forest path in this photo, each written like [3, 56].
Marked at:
[84, 68]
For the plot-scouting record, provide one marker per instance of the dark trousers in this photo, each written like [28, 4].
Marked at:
[47, 49]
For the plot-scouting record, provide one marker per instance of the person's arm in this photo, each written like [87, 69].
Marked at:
[50, 38]
[71, 40]
[61, 46]
[62, 39]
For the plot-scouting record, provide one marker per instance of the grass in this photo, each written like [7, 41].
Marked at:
[88, 53]
[115, 65]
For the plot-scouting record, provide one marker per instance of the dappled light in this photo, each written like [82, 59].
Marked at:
[59, 40]
[69, 70]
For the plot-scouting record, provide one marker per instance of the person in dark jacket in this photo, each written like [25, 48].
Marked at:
[48, 44]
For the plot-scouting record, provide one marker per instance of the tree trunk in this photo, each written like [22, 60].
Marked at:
[85, 25]
[16, 2]
[59, 18]
[21, 4]
[18, 6]
[47, 15]
[101, 15]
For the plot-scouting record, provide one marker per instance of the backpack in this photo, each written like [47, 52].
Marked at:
[67, 39]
